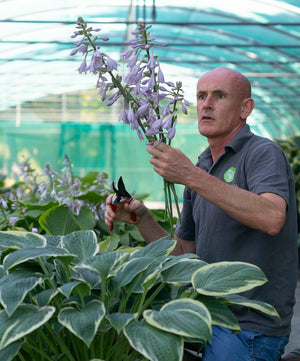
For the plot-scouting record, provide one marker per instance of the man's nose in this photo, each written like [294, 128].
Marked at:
[208, 102]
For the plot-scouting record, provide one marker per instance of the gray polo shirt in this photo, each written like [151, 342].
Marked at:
[258, 165]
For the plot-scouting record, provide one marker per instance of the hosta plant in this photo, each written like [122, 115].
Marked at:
[68, 298]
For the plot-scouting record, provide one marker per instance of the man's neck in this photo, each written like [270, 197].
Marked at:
[217, 144]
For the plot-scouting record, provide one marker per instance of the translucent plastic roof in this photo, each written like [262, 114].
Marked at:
[260, 38]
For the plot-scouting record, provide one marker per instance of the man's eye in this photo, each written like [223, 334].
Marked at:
[221, 96]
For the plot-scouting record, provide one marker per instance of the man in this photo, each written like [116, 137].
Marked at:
[239, 205]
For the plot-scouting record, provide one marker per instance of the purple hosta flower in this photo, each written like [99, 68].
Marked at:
[126, 54]
[143, 109]
[83, 67]
[113, 98]
[13, 220]
[171, 132]
[166, 110]
[111, 64]
[151, 62]
[168, 123]
[81, 49]
[160, 75]
[96, 62]
[151, 82]
[183, 108]
[3, 202]
[123, 116]
[34, 230]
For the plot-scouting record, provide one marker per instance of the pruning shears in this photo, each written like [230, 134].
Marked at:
[121, 196]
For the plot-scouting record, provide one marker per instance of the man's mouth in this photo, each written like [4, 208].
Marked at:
[207, 117]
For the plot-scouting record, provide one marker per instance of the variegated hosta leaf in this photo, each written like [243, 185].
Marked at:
[83, 323]
[10, 351]
[126, 273]
[15, 286]
[223, 278]
[184, 317]
[2, 271]
[23, 321]
[67, 288]
[119, 320]
[161, 247]
[154, 344]
[220, 314]
[43, 298]
[102, 263]
[82, 243]
[24, 254]
[21, 239]
[257, 305]
[182, 271]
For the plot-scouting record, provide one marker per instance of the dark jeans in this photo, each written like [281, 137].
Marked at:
[244, 346]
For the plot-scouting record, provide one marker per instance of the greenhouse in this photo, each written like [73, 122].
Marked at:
[92, 94]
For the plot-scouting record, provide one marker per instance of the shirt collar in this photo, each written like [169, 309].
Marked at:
[205, 159]
[240, 138]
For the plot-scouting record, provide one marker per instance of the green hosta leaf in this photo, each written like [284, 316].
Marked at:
[2, 271]
[161, 247]
[182, 271]
[84, 323]
[85, 218]
[257, 305]
[59, 220]
[185, 317]
[24, 254]
[220, 314]
[81, 289]
[82, 243]
[15, 286]
[21, 239]
[110, 243]
[126, 273]
[224, 278]
[103, 263]
[10, 351]
[43, 298]
[24, 320]
[120, 320]
[154, 344]
[144, 280]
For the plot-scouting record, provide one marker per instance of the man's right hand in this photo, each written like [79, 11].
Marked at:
[122, 211]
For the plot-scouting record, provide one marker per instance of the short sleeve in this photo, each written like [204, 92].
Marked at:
[268, 170]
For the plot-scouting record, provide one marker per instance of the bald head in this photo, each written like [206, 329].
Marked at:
[241, 83]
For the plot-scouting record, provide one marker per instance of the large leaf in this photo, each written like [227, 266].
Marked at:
[15, 286]
[185, 317]
[181, 271]
[23, 321]
[24, 254]
[83, 323]
[21, 239]
[59, 220]
[103, 263]
[220, 314]
[119, 320]
[161, 247]
[85, 218]
[223, 278]
[154, 344]
[257, 305]
[127, 272]
[82, 243]
[10, 351]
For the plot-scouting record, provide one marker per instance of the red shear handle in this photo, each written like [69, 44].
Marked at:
[132, 215]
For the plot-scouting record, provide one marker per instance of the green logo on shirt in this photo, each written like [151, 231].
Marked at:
[229, 175]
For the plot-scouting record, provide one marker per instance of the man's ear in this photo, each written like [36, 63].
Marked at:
[247, 107]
